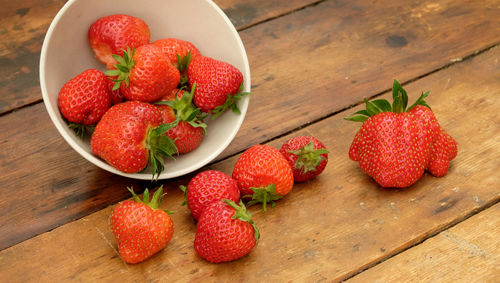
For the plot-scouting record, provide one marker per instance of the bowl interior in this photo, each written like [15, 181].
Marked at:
[66, 53]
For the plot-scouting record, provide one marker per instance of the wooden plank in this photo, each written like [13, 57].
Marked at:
[322, 59]
[326, 229]
[23, 25]
[468, 252]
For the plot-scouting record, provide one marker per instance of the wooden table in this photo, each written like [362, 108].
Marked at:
[312, 63]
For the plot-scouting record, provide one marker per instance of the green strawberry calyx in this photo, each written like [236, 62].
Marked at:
[184, 190]
[185, 110]
[241, 213]
[230, 103]
[264, 195]
[182, 65]
[399, 104]
[308, 158]
[122, 71]
[155, 201]
[159, 146]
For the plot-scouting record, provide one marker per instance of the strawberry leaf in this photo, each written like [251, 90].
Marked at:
[264, 195]
[382, 104]
[371, 108]
[241, 213]
[184, 190]
[230, 103]
[308, 158]
[421, 101]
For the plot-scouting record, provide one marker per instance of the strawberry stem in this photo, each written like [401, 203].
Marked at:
[155, 201]
[241, 213]
[264, 195]
[185, 110]
[122, 71]
[230, 102]
[308, 158]
[159, 146]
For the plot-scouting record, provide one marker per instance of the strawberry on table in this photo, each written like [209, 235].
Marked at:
[85, 98]
[263, 174]
[112, 34]
[219, 85]
[207, 187]
[225, 232]
[306, 155]
[396, 144]
[140, 227]
[177, 107]
[130, 135]
[144, 74]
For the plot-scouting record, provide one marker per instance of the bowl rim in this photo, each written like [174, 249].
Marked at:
[54, 113]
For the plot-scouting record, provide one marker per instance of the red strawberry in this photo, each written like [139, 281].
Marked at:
[264, 174]
[306, 155]
[218, 85]
[116, 95]
[176, 49]
[207, 187]
[177, 108]
[85, 98]
[140, 227]
[145, 74]
[130, 134]
[395, 144]
[225, 232]
[112, 34]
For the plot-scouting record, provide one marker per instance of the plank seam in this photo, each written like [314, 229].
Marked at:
[438, 231]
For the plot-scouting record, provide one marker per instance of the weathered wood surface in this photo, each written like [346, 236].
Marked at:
[323, 54]
[329, 228]
[23, 24]
[468, 252]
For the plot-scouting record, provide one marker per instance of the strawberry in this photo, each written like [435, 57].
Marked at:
[116, 95]
[144, 74]
[225, 232]
[207, 187]
[306, 155]
[85, 98]
[178, 51]
[140, 227]
[396, 144]
[219, 85]
[189, 129]
[130, 134]
[112, 34]
[263, 174]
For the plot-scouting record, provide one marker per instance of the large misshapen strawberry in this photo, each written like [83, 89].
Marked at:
[144, 74]
[130, 135]
[396, 144]
[219, 85]
[112, 34]
[140, 227]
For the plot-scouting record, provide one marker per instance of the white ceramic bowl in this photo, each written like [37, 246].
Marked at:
[66, 53]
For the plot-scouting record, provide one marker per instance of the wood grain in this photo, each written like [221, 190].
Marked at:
[326, 229]
[468, 252]
[324, 58]
[23, 25]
